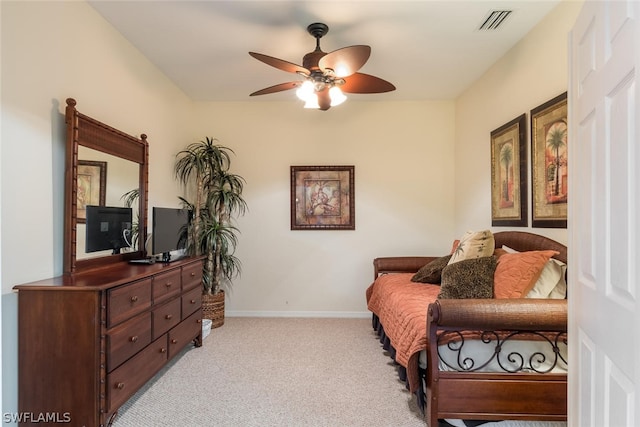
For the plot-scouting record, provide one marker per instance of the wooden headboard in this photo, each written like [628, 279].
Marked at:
[518, 240]
[524, 241]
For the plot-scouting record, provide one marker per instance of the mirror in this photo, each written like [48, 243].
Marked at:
[103, 180]
[104, 167]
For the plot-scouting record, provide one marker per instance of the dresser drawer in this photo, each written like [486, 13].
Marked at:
[186, 331]
[127, 339]
[128, 300]
[166, 317]
[166, 285]
[191, 301]
[192, 276]
[128, 378]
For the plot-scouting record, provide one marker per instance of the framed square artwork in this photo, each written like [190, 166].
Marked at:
[322, 198]
[92, 186]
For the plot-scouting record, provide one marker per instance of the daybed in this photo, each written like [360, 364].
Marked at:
[477, 358]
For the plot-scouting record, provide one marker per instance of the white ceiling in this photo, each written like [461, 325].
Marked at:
[427, 49]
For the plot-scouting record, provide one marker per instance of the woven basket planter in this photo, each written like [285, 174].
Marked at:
[213, 308]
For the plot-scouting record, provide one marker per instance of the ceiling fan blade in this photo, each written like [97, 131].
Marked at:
[364, 83]
[280, 64]
[277, 88]
[346, 61]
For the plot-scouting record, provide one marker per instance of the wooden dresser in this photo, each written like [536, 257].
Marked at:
[88, 341]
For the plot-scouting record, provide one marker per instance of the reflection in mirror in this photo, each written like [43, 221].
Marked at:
[118, 164]
[121, 178]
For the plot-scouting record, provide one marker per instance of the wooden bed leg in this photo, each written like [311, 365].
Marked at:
[431, 418]
[431, 404]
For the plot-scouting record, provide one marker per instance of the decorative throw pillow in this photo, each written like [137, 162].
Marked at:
[551, 283]
[474, 244]
[431, 272]
[560, 291]
[470, 278]
[517, 273]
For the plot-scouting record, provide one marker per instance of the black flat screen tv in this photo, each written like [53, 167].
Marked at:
[169, 231]
[108, 228]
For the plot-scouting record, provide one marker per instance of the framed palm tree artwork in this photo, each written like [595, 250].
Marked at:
[549, 164]
[509, 174]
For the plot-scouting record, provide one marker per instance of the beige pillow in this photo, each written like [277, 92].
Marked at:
[551, 283]
[474, 244]
[560, 291]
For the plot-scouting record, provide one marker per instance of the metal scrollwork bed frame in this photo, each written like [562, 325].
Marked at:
[529, 393]
[511, 361]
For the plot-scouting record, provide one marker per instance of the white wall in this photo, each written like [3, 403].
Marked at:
[533, 72]
[52, 51]
[403, 158]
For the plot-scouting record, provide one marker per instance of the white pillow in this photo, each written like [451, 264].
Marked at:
[508, 250]
[551, 283]
[560, 291]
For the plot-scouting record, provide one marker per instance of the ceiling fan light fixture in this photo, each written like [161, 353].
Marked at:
[309, 89]
[305, 90]
[312, 101]
[307, 93]
[336, 95]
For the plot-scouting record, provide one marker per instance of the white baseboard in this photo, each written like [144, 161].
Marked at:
[310, 314]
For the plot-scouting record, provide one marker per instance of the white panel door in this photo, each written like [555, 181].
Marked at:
[604, 208]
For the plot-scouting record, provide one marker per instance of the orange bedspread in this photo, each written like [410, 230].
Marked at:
[401, 306]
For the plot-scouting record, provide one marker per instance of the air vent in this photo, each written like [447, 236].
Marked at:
[494, 19]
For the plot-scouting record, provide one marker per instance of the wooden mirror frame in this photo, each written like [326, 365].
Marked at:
[87, 132]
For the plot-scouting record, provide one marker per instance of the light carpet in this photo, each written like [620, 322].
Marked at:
[278, 372]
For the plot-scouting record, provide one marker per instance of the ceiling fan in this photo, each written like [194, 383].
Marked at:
[325, 76]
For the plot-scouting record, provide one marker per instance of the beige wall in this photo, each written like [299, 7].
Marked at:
[403, 158]
[534, 71]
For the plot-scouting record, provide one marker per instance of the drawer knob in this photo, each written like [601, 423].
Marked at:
[168, 284]
[134, 298]
[193, 301]
[134, 338]
[168, 316]
[193, 274]
[199, 321]
[174, 341]
[120, 386]
[163, 350]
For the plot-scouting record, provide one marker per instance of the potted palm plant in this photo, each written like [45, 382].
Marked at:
[214, 197]
[129, 198]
